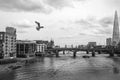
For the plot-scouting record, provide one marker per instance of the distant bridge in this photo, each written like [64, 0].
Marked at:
[110, 51]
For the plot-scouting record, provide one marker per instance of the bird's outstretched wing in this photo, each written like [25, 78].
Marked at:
[41, 26]
[37, 23]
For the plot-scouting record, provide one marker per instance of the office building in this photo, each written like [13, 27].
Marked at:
[25, 48]
[8, 42]
[115, 37]
[91, 44]
[108, 42]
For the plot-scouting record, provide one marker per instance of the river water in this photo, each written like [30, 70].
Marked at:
[67, 68]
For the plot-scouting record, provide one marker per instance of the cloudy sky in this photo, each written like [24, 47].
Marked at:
[66, 21]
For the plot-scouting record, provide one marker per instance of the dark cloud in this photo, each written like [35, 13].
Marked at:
[22, 5]
[34, 5]
[59, 3]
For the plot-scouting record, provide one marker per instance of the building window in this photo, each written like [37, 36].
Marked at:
[6, 37]
[1, 36]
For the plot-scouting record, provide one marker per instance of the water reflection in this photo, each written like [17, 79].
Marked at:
[9, 75]
[67, 68]
[115, 70]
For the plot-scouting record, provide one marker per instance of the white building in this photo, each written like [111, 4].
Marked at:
[41, 46]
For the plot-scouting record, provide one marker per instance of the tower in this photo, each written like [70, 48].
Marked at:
[115, 37]
[108, 42]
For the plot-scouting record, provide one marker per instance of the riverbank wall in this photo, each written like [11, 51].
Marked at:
[7, 61]
[27, 60]
[14, 60]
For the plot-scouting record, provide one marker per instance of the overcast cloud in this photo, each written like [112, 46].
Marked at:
[96, 26]
[44, 6]
[22, 5]
[62, 19]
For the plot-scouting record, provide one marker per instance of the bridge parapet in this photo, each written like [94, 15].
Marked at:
[99, 50]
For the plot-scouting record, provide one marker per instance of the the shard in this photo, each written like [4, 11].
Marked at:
[115, 37]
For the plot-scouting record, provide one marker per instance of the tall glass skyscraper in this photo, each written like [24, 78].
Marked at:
[115, 37]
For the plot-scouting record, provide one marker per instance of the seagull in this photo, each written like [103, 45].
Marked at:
[38, 27]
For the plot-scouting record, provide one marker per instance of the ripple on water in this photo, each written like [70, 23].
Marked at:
[68, 68]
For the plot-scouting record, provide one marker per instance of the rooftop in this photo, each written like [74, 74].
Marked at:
[26, 42]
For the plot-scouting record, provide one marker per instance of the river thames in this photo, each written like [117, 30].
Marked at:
[67, 68]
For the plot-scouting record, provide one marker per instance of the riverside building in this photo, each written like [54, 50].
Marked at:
[25, 48]
[91, 44]
[8, 43]
[108, 42]
[41, 46]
